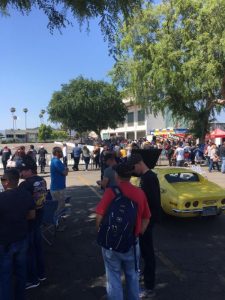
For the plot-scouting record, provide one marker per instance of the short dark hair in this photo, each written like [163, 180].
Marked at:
[28, 163]
[56, 149]
[124, 170]
[12, 175]
[109, 155]
[135, 158]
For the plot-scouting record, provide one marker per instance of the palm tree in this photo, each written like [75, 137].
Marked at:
[41, 117]
[43, 111]
[25, 110]
[14, 121]
[12, 110]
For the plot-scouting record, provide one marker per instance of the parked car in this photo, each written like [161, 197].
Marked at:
[186, 193]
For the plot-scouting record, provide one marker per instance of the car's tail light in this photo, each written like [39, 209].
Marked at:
[187, 204]
[223, 201]
[195, 203]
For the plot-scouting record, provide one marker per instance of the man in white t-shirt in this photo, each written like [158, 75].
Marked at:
[64, 150]
[208, 152]
[179, 154]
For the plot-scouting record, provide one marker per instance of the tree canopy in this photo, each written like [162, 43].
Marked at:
[173, 56]
[87, 105]
[109, 11]
[44, 132]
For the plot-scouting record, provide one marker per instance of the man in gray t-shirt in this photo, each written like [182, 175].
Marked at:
[109, 173]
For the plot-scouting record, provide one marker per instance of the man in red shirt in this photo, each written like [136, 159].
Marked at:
[116, 262]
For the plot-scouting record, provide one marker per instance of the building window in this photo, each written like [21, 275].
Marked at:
[141, 117]
[130, 119]
[121, 124]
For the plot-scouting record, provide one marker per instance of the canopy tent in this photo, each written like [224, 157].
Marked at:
[217, 133]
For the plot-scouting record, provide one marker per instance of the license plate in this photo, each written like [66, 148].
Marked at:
[209, 211]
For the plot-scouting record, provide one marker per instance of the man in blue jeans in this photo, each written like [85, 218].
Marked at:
[37, 187]
[16, 207]
[116, 262]
[76, 153]
[58, 173]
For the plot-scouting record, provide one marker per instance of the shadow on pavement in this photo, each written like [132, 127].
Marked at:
[74, 264]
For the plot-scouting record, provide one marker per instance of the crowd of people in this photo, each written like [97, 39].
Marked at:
[179, 152]
[22, 207]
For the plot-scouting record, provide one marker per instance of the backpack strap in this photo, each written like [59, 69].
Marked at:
[117, 191]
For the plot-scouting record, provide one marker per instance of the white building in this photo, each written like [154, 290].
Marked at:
[137, 124]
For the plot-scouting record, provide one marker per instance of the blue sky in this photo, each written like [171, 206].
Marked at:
[34, 63]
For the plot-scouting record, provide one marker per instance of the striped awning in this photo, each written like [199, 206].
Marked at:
[163, 131]
[168, 131]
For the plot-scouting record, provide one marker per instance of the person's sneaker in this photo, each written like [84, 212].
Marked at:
[42, 278]
[30, 285]
[146, 293]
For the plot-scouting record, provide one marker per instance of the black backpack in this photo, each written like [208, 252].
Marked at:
[116, 231]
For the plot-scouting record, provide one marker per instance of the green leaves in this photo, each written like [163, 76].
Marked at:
[174, 55]
[44, 132]
[87, 105]
[109, 12]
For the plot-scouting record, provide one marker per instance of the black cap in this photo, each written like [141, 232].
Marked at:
[124, 170]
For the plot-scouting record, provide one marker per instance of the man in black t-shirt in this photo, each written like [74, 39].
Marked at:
[42, 158]
[16, 207]
[37, 187]
[150, 185]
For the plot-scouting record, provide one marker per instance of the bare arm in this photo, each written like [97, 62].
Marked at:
[65, 172]
[98, 220]
[31, 214]
[144, 224]
[104, 182]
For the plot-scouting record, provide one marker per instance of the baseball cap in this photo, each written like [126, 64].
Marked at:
[124, 169]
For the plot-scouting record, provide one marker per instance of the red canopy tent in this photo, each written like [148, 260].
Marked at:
[217, 133]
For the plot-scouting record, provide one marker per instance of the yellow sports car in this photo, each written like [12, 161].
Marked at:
[186, 193]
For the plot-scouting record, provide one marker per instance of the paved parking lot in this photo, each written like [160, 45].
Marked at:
[190, 252]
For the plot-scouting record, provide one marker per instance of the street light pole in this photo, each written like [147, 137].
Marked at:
[12, 109]
[25, 110]
[15, 118]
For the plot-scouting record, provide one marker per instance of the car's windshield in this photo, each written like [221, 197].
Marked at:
[182, 177]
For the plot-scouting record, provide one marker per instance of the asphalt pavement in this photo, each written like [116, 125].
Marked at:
[189, 252]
